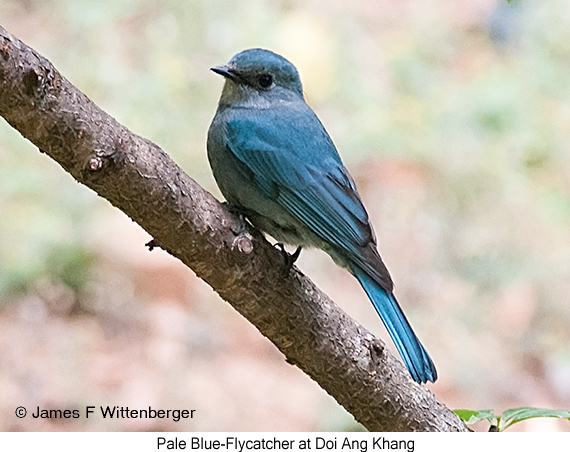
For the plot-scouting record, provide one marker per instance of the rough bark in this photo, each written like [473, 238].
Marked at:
[137, 177]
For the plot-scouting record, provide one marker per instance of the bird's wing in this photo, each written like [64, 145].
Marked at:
[298, 166]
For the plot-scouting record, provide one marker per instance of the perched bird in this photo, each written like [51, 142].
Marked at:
[275, 163]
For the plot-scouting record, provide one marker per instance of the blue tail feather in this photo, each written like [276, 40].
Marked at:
[413, 353]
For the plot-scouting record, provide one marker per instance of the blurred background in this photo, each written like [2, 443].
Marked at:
[453, 118]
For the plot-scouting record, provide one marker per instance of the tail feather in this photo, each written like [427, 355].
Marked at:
[413, 353]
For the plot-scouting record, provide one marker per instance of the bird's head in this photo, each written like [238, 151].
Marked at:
[259, 74]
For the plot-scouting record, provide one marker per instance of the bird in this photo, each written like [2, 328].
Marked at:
[276, 165]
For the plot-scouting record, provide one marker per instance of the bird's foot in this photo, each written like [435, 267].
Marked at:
[288, 258]
[240, 227]
[235, 210]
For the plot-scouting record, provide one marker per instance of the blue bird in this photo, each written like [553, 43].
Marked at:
[275, 163]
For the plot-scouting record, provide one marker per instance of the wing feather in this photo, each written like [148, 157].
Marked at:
[323, 197]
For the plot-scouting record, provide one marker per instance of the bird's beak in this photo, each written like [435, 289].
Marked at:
[226, 72]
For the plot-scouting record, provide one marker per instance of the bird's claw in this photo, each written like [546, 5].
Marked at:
[289, 259]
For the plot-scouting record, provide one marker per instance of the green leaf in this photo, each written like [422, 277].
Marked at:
[515, 415]
[471, 416]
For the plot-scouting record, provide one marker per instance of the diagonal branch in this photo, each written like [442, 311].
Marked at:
[137, 177]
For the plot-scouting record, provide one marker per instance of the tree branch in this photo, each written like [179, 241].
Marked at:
[137, 177]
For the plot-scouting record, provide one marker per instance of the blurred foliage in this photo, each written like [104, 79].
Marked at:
[42, 219]
[454, 118]
[509, 417]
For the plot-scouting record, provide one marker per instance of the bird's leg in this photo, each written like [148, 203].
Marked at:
[240, 213]
[289, 258]
[236, 210]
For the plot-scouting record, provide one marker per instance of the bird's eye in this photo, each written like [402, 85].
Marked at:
[265, 80]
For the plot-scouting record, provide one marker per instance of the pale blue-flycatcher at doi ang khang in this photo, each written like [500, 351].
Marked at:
[276, 164]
